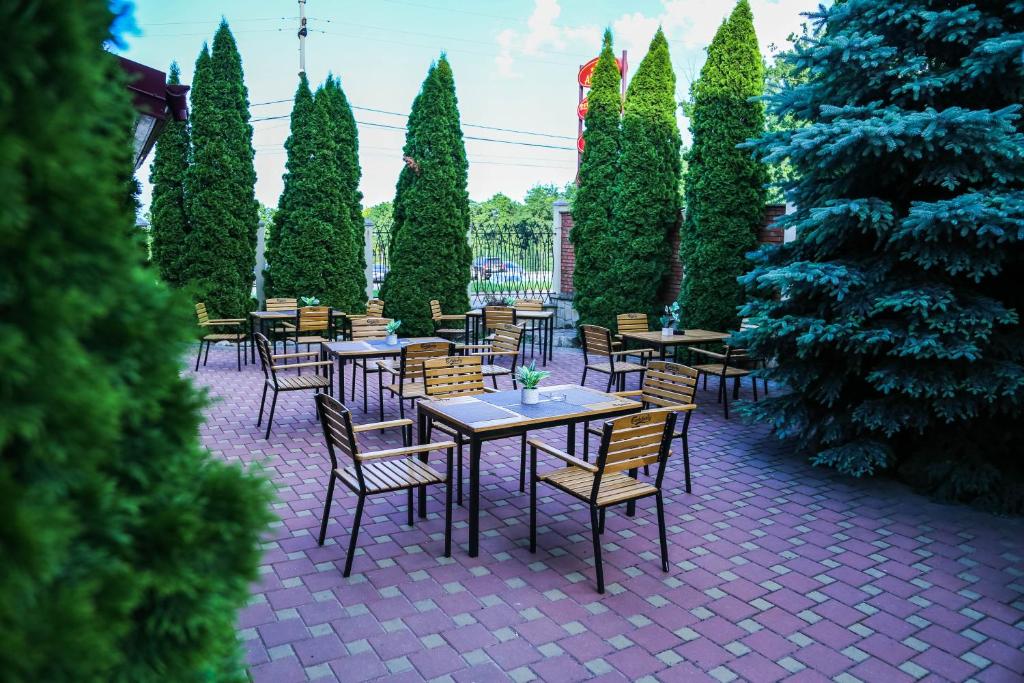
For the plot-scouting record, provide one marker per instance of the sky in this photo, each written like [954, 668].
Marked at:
[515, 65]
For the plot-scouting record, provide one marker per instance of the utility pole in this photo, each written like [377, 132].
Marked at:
[302, 36]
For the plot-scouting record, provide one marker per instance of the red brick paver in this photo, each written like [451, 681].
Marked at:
[778, 569]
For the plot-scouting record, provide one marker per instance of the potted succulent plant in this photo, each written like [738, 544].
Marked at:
[309, 301]
[392, 329]
[510, 301]
[670, 320]
[531, 377]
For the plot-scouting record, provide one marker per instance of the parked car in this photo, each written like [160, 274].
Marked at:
[485, 266]
[379, 271]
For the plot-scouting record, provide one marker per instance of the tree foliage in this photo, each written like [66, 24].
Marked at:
[169, 225]
[222, 208]
[430, 254]
[126, 548]
[594, 204]
[898, 329]
[725, 193]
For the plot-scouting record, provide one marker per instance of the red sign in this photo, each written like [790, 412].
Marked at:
[581, 109]
[587, 71]
[580, 143]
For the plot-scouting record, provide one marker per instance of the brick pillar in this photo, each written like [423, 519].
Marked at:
[568, 255]
[769, 233]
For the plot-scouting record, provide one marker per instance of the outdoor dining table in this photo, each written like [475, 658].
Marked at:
[663, 342]
[260, 319]
[546, 318]
[501, 414]
[344, 351]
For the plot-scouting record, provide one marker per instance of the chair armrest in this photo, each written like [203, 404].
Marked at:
[387, 367]
[561, 455]
[226, 321]
[705, 352]
[381, 425]
[634, 392]
[633, 352]
[450, 316]
[407, 450]
[495, 353]
[491, 390]
[301, 354]
[463, 347]
[293, 366]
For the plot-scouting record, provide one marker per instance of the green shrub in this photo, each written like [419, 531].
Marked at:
[169, 223]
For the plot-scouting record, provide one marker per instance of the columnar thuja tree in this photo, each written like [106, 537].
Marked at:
[169, 226]
[593, 208]
[725, 186]
[898, 326]
[647, 202]
[126, 548]
[347, 287]
[222, 207]
[430, 257]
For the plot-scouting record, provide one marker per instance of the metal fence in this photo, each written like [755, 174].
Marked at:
[509, 261]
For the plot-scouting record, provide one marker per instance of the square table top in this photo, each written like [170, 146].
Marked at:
[694, 336]
[374, 347]
[504, 410]
[524, 315]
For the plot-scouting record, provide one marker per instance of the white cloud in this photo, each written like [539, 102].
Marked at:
[544, 35]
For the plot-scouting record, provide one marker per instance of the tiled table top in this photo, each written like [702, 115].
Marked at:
[779, 570]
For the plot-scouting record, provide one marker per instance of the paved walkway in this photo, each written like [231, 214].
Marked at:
[779, 570]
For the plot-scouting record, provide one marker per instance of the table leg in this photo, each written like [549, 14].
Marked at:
[252, 339]
[465, 330]
[551, 338]
[570, 439]
[341, 379]
[423, 438]
[474, 496]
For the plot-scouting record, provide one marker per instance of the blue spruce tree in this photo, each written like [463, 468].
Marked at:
[895, 314]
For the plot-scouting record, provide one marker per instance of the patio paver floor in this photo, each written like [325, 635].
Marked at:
[778, 569]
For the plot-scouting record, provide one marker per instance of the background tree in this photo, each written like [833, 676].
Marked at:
[430, 255]
[222, 207]
[169, 226]
[899, 326]
[647, 204]
[725, 186]
[126, 548]
[301, 249]
[594, 203]
[348, 286]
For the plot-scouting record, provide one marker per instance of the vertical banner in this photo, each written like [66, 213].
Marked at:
[583, 79]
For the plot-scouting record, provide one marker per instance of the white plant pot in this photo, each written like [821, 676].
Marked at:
[667, 331]
[392, 339]
[530, 397]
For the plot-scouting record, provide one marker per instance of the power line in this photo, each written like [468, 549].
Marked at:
[216, 21]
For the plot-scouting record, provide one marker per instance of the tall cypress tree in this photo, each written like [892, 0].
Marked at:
[647, 203]
[349, 282]
[725, 186]
[899, 326]
[430, 256]
[126, 548]
[593, 208]
[170, 228]
[223, 211]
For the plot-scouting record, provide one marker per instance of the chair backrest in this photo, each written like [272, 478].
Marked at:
[507, 338]
[281, 304]
[498, 315]
[413, 356]
[266, 361]
[529, 305]
[369, 328]
[632, 322]
[597, 340]
[374, 308]
[314, 318]
[201, 313]
[668, 384]
[632, 441]
[337, 425]
[453, 376]
[435, 309]
[735, 356]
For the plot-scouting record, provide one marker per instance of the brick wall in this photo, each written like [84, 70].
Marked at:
[769, 234]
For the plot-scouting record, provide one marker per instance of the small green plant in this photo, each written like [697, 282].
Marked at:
[392, 327]
[309, 301]
[530, 376]
[671, 317]
[510, 301]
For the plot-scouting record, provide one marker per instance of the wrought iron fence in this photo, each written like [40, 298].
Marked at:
[508, 261]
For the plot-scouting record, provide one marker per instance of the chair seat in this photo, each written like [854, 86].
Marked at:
[296, 382]
[495, 370]
[716, 369]
[391, 475]
[409, 389]
[620, 366]
[615, 488]
[237, 337]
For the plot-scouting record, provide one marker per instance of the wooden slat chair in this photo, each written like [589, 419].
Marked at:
[375, 472]
[363, 328]
[461, 376]
[627, 444]
[312, 326]
[441, 319]
[273, 382]
[727, 365]
[631, 323]
[409, 372]
[236, 335]
[497, 315]
[666, 385]
[506, 342]
[374, 308]
[597, 343]
[282, 328]
[747, 324]
[530, 325]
